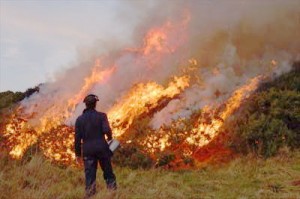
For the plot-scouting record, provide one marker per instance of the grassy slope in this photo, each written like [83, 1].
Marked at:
[246, 177]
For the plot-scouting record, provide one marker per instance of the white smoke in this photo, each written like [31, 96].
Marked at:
[231, 41]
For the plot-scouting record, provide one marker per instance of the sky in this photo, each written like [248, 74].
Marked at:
[40, 38]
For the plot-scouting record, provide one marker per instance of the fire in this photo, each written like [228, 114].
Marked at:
[155, 40]
[59, 150]
[158, 140]
[48, 115]
[51, 118]
[162, 83]
[164, 39]
[97, 76]
[140, 99]
[206, 131]
[19, 136]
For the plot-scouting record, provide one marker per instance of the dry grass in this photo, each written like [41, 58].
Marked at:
[246, 177]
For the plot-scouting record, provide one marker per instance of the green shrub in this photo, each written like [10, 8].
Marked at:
[269, 119]
[132, 157]
[8, 98]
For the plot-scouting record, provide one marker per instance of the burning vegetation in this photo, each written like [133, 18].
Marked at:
[167, 99]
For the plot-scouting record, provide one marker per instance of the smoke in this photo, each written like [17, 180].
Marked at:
[219, 44]
[235, 43]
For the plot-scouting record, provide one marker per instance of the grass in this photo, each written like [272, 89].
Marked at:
[244, 177]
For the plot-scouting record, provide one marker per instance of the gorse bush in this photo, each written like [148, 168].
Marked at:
[270, 118]
[9, 98]
[130, 156]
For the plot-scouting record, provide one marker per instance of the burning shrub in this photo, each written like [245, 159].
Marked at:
[32, 151]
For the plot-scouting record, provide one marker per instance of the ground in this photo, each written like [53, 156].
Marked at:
[243, 177]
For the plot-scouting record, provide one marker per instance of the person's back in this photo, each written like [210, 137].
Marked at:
[91, 128]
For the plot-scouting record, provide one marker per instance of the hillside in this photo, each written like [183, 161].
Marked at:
[265, 122]
[256, 155]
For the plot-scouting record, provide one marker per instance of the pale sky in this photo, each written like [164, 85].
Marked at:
[40, 38]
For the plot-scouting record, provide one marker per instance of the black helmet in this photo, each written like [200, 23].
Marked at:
[91, 99]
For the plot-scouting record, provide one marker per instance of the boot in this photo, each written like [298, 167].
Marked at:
[111, 184]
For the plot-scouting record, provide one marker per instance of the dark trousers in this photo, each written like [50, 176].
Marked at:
[90, 169]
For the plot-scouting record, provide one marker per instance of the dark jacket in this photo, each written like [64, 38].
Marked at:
[90, 128]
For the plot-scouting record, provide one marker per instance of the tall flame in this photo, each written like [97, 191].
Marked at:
[140, 99]
[205, 132]
[52, 119]
[96, 76]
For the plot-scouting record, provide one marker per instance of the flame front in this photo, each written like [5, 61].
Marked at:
[19, 136]
[205, 132]
[140, 99]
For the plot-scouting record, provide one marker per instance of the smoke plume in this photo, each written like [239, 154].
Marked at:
[229, 42]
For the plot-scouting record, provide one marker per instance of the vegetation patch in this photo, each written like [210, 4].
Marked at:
[270, 118]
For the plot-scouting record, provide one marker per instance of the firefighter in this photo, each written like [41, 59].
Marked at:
[90, 130]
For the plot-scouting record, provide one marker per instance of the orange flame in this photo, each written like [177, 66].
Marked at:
[22, 133]
[96, 77]
[59, 113]
[154, 41]
[140, 99]
[205, 132]
[19, 135]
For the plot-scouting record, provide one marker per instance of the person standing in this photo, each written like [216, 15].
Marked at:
[90, 143]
